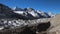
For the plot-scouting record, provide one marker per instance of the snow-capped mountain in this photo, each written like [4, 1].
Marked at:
[31, 13]
[43, 14]
[26, 13]
[51, 14]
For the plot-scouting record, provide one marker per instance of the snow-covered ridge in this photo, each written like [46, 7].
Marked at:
[32, 13]
[26, 13]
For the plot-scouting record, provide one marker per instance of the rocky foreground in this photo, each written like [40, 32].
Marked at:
[11, 25]
[31, 26]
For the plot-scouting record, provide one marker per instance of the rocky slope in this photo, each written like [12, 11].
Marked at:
[55, 25]
[5, 11]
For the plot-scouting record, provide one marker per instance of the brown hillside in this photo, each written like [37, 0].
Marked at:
[55, 20]
[55, 23]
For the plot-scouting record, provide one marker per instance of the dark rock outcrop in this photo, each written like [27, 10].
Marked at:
[43, 26]
[5, 11]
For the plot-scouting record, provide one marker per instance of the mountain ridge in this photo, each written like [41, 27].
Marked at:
[26, 13]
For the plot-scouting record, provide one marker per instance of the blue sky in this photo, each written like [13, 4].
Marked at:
[43, 5]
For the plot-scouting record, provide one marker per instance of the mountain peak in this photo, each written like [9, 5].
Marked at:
[17, 9]
[28, 9]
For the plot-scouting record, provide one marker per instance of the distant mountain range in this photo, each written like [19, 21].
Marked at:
[26, 13]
